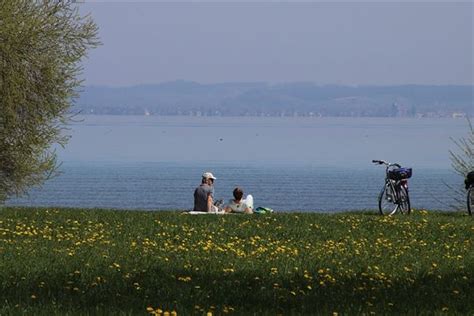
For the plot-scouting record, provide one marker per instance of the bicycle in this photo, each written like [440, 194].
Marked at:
[394, 195]
[469, 182]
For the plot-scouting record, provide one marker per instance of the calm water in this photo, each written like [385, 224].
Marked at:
[307, 164]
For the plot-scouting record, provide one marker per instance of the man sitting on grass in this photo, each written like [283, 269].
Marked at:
[204, 195]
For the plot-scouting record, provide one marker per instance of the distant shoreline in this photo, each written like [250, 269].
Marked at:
[284, 100]
[454, 117]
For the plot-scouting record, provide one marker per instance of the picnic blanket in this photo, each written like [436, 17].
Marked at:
[258, 210]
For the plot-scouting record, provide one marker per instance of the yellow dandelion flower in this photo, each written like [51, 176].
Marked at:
[184, 279]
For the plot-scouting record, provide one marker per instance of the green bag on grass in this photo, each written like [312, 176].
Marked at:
[263, 210]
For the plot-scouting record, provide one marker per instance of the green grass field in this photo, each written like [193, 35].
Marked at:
[72, 261]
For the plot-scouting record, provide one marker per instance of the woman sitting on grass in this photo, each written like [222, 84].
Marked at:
[238, 205]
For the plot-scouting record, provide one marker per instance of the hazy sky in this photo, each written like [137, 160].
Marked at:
[340, 42]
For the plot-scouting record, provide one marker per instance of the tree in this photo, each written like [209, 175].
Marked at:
[462, 161]
[41, 46]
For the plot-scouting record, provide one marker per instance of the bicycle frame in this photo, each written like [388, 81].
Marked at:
[469, 182]
[470, 199]
[392, 190]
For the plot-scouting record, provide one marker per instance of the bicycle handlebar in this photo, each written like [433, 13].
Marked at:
[388, 164]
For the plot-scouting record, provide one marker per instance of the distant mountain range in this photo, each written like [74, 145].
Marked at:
[290, 99]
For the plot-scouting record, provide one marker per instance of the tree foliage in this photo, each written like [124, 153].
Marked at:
[41, 46]
[462, 160]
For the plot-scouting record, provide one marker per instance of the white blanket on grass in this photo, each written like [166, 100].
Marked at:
[203, 213]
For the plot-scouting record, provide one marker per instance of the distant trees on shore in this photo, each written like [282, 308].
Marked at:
[291, 99]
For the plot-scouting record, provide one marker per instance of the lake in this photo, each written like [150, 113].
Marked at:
[304, 164]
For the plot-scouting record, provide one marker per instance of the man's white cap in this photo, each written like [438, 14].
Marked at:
[208, 175]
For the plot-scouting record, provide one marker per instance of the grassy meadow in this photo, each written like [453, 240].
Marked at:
[73, 261]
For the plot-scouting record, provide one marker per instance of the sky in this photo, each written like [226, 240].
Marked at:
[350, 43]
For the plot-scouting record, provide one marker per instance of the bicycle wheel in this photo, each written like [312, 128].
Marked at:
[404, 201]
[470, 200]
[387, 198]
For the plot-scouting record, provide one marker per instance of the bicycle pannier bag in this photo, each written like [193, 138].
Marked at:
[469, 179]
[400, 173]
